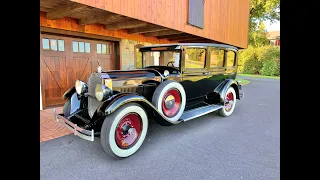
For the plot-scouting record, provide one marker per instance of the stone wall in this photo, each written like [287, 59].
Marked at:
[127, 52]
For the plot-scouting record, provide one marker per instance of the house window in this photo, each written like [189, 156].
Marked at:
[79, 46]
[45, 44]
[195, 58]
[52, 44]
[61, 45]
[103, 48]
[87, 47]
[231, 58]
[196, 13]
[216, 59]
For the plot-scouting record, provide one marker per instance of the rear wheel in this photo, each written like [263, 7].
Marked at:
[124, 131]
[230, 100]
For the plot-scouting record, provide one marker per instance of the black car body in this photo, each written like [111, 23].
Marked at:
[178, 82]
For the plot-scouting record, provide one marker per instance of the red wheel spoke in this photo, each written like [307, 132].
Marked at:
[128, 130]
[171, 102]
[229, 100]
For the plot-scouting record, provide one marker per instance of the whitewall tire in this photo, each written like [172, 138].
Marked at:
[230, 100]
[124, 131]
[170, 99]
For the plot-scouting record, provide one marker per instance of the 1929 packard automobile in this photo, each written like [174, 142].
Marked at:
[176, 83]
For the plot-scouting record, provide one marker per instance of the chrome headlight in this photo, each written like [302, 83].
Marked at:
[81, 87]
[102, 92]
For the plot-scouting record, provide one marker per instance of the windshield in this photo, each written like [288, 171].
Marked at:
[161, 58]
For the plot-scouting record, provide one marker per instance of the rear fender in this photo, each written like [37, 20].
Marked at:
[222, 88]
[112, 104]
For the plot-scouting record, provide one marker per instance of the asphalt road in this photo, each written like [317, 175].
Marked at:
[244, 146]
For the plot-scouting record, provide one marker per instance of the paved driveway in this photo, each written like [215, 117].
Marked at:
[243, 146]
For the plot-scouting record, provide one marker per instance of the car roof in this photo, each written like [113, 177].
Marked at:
[177, 45]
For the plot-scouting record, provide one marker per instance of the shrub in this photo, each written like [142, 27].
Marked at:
[247, 61]
[263, 60]
[270, 68]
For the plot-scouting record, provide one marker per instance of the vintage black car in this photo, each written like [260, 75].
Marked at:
[176, 83]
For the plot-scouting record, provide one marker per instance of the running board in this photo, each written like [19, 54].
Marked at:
[194, 113]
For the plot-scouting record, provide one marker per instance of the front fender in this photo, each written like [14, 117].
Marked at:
[222, 88]
[120, 99]
[69, 93]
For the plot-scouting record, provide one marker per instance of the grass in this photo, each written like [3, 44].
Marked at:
[243, 81]
[259, 76]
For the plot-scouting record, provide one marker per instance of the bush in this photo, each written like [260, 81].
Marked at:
[271, 62]
[270, 68]
[195, 54]
[263, 60]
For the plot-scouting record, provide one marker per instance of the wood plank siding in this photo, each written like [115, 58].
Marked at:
[71, 24]
[225, 21]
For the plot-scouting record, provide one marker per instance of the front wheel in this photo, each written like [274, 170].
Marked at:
[124, 131]
[230, 100]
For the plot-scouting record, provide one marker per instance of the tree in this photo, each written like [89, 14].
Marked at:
[258, 37]
[261, 10]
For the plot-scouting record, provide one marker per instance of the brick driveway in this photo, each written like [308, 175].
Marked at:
[49, 128]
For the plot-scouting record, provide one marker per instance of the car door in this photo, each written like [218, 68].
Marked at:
[194, 74]
[216, 68]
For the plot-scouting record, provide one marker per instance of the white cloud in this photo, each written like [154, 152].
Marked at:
[275, 26]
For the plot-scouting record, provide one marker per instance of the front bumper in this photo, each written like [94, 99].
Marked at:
[83, 133]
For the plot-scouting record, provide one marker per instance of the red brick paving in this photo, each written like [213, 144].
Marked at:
[49, 128]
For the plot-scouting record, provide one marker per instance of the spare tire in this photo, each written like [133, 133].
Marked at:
[170, 100]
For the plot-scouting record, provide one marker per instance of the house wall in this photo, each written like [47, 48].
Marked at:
[40, 98]
[71, 24]
[127, 52]
[225, 21]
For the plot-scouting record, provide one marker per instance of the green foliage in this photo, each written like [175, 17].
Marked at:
[260, 60]
[261, 10]
[195, 54]
[270, 68]
[258, 37]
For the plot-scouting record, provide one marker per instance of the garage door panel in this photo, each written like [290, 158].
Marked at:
[53, 70]
[60, 69]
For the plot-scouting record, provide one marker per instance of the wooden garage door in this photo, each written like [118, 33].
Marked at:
[63, 60]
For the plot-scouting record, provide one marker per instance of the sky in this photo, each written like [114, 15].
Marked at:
[272, 27]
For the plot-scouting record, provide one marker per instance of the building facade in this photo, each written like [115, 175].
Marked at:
[274, 38]
[77, 35]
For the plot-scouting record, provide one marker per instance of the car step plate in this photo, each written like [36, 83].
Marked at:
[194, 113]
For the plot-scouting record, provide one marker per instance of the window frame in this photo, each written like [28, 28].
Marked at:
[223, 58]
[84, 46]
[108, 48]
[57, 42]
[204, 69]
[48, 44]
[226, 58]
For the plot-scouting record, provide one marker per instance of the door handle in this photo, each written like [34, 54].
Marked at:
[206, 73]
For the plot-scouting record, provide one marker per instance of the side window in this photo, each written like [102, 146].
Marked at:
[231, 58]
[195, 58]
[79, 46]
[52, 44]
[216, 59]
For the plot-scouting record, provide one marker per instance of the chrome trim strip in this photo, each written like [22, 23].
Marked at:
[78, 131]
